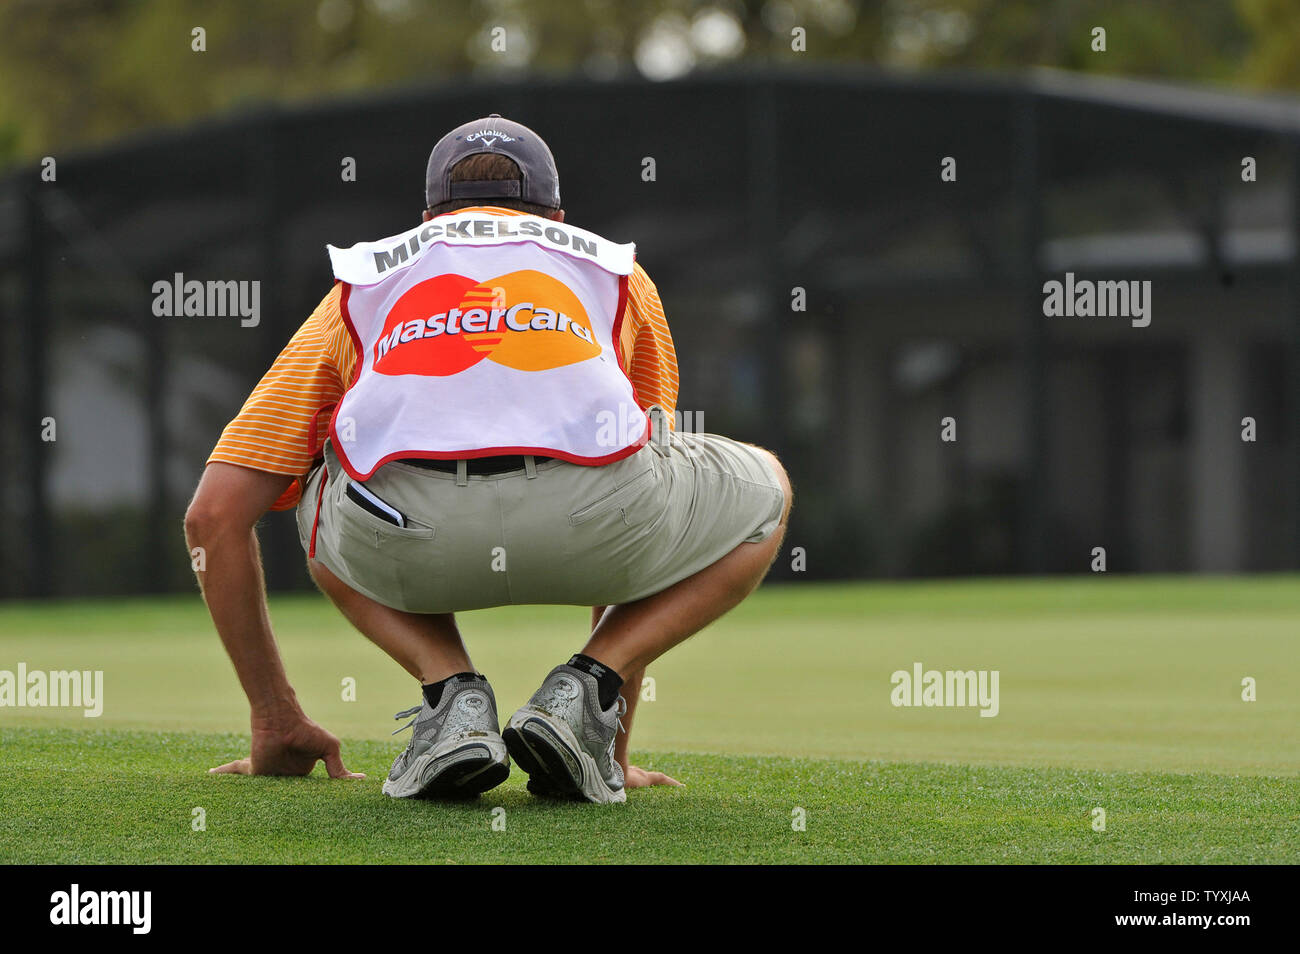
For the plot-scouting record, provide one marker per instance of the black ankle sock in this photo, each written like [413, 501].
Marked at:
[433, 691]
[608, 682]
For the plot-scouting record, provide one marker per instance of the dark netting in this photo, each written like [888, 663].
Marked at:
[923, 301]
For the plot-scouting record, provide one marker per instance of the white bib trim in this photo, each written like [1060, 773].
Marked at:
[367, 263]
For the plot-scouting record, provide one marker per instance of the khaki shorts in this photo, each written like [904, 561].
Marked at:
[569, 534]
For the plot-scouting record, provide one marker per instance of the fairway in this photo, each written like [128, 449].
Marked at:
[1121, 694]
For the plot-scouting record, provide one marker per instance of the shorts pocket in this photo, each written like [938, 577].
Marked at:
[617, 499]
[375, 530]
[375, 556]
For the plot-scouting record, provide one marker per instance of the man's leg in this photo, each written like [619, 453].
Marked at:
[428, 646]
[631, 636]
[456, 748]
[559, 738]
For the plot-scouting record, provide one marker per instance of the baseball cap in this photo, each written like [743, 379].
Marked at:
[540, 183]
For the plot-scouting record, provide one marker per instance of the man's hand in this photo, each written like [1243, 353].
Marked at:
[220, 522]
[636, 777]
[291, 750]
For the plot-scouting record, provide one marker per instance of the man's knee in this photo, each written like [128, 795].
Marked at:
[782, 478]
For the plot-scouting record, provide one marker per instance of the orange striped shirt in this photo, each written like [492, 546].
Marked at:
[281, 421]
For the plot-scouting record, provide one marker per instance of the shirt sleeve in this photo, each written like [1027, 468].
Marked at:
[280, 427]
[646, 345]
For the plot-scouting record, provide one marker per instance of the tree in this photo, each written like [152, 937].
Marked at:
[78, 72]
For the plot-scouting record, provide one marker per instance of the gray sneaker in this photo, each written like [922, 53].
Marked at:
[456, 750]
[565, 743]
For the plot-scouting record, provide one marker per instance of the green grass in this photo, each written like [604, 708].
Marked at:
[1120, 693]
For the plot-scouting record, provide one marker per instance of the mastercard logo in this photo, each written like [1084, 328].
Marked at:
[524, 320]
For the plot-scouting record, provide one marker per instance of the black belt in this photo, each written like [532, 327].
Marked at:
[474, 465]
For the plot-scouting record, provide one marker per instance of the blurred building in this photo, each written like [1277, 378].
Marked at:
[922, 299]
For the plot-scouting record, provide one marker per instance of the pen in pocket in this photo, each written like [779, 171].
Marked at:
[367, 501]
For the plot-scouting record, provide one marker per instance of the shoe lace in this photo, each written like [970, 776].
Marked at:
[622, 711]
[405, 714]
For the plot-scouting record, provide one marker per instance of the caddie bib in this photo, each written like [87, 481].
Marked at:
[480, 335]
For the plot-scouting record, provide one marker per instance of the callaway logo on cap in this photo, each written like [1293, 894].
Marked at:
[540, 184]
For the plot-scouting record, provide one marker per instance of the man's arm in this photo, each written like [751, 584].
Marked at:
[646, 345]
[650, 360]
[221, 519]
